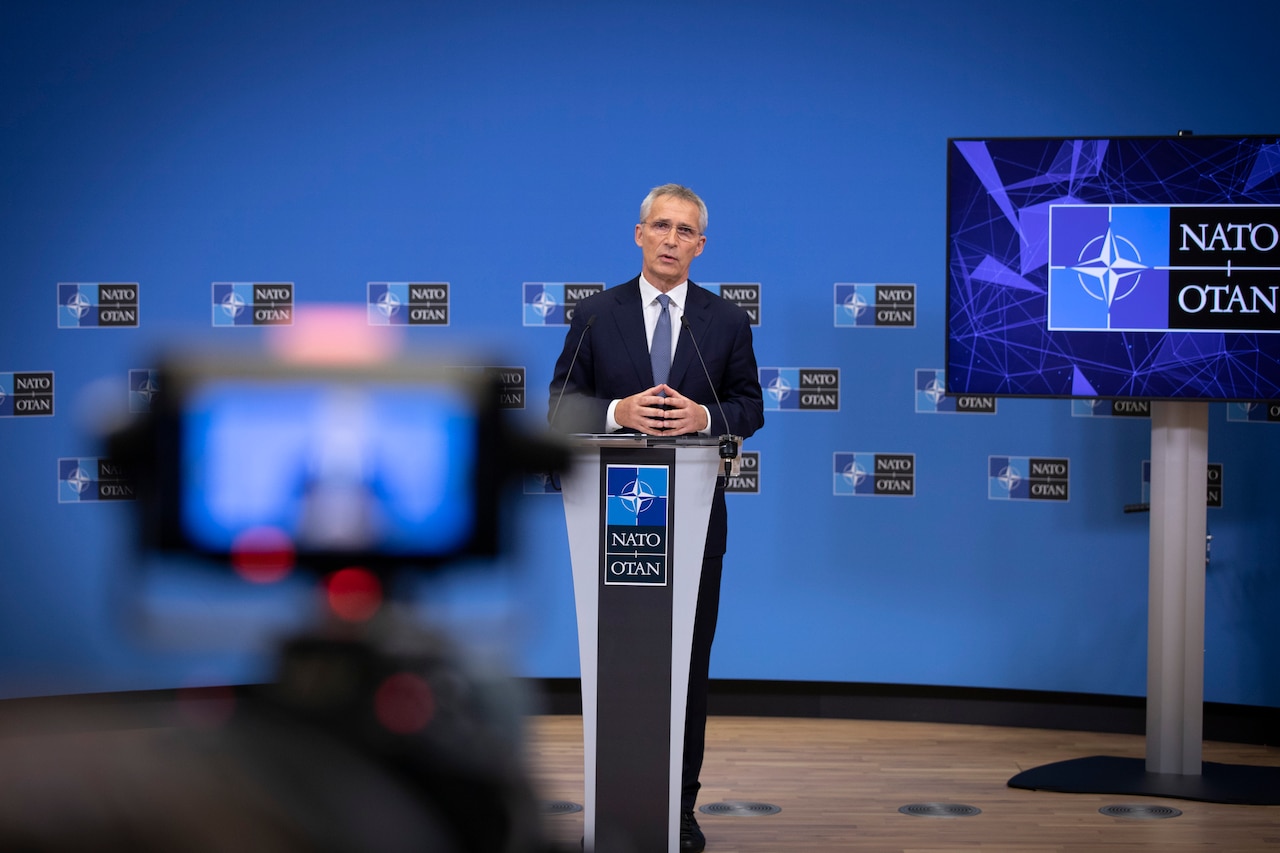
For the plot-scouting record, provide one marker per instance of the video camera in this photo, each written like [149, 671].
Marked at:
[388, 465]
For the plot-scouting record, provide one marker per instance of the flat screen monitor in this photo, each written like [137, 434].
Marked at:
[1123, 267]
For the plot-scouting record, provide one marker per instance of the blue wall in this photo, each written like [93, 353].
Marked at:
[486, 145]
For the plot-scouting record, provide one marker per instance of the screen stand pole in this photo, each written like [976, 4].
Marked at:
[1175, 628]
[1175, 643]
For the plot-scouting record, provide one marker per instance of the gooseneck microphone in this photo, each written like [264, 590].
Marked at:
[728, 443]
[572, 363]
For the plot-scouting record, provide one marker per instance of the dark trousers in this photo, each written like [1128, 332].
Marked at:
[695, 721]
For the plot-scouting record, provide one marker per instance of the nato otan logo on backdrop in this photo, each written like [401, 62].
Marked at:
[798, 389]
[859, 305]
[24, 395]
[745, 295]
[747, 480]
[83, 305]
[552, 303]
[242, 303]
[1259, 412]
[86, 479]
[635, 525]
[1156, 268]
[510, 382]
[874, 474]
[932, 396]
[144, 387]
[1118, 408]
[408, 303]
[1028, 478]
[1213, 484]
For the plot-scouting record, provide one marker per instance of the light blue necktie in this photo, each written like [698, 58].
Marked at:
[660, 349]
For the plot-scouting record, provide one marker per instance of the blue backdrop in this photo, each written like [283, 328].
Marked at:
[487, 145]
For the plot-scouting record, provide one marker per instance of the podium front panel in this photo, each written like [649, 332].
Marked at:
[637, 521]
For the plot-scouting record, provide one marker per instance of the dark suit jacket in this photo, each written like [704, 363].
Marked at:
[613, 362]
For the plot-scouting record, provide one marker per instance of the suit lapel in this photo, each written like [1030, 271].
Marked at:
[629, 318]
[696, 311]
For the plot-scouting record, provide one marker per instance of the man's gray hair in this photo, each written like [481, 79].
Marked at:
[675, 191]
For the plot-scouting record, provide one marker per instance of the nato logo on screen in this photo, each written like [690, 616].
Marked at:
[407, 303]
[794, 389]
[873, 474]
[553, 303]
[91, 479]
[1028, 478]
[932, 397]
[238, 303]
[1108, 267]
[26, 394]
[862, 305]
[635, 525]
[85, 305]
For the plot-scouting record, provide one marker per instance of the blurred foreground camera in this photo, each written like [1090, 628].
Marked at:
[384, 466]
[376, 733]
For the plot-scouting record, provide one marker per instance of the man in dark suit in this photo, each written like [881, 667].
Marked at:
[615, 383]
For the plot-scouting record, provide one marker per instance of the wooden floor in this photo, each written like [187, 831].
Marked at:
[840, 783]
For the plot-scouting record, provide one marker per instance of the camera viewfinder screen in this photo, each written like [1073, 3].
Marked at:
[381, 469]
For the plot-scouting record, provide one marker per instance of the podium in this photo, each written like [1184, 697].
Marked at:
[636, 508]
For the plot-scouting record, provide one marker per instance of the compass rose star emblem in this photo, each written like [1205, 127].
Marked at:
[855, 305]
[1009, 478]
[854, 474]
[779, 389]
[1109, 267]
[543, 303]
[935, 391]
[79, 480]
[79, 305]
[233, 304]
[148, 390]
[388, 304]
[636, 497]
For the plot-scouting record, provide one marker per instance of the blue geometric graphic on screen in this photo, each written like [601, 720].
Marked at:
[781, 387]
[1080, 386]
[1007, 478]
[1108, 268]
[998, 282]
[636, 495]
[6, 395]
[1265, 167]
[543, 304]
[388, 303]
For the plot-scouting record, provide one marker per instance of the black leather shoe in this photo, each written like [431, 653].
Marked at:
[691, 838]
